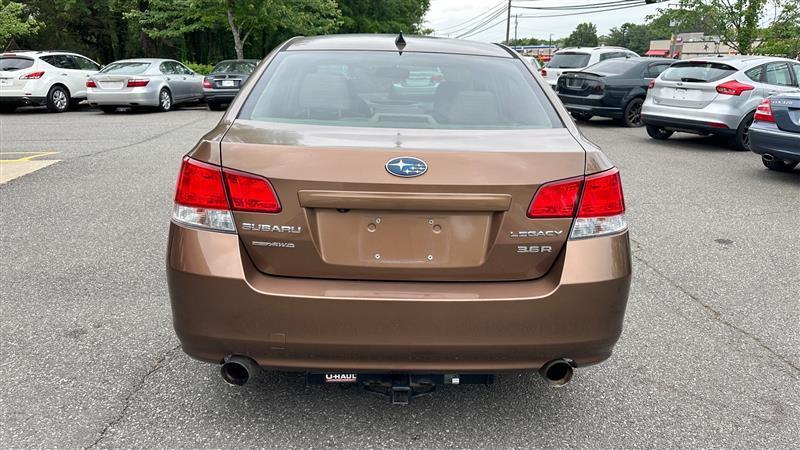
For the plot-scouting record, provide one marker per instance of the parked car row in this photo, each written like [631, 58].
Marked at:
[60, 80]
[722, 96]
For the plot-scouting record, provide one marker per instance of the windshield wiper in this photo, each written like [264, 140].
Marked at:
[693, 80]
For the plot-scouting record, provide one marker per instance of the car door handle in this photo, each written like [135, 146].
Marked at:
[169, 79]
[64, 74]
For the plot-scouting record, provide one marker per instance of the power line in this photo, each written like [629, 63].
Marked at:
[465, 24]
[472, 31]
[531, 16]
[584, 6]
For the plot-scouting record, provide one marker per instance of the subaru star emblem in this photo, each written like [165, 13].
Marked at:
[406, 166]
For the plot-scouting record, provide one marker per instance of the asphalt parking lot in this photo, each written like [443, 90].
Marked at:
[710, 354]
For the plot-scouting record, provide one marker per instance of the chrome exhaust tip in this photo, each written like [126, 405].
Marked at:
[238, 370]
[767, 157]
[557, 372]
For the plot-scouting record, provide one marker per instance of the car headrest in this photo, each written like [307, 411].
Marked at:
[474, 107]
[324, 91]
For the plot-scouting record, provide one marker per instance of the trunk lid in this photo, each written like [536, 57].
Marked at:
[786, 111]
[581, 84]
[115, 82]
[345, 216]
[226, 80]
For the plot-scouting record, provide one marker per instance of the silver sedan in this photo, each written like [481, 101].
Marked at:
[148, 82]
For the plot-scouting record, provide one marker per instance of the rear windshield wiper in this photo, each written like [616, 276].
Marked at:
[693, 80]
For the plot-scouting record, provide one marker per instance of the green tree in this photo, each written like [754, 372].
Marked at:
[383, 16]
[630, 35]
[243, 18]
[688, 16]
[16, 21]
[585, 35]
[782, 37]
[737, 21]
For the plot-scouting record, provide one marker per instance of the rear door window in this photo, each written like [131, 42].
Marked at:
[569, 60]
[168, 68]
[612, 66]
[778, 74]
[796, 69]
[697, 72]
[60, 61]
[12, 63]
[612, 55]
[387, 90]
[655, 70]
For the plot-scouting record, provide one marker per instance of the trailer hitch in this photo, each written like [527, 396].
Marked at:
[400, 388]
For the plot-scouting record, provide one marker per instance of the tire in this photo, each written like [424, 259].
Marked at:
[164, 100]
[58, 99]
[108, 109]
[216, 106]
[8, 109]
[582, 116]
[658, 133]
[632, 115]
[778, 165]
[741, 141]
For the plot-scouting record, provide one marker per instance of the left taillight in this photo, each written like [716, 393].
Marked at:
[32, 75]
[764, 111]
[201, 198]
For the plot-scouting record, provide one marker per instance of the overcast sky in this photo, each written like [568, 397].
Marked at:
[446, 16]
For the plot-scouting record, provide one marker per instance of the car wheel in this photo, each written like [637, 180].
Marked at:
[741, 141]
[164, 100]
[216, 106]
[777, 164]
[582, 116]
[632, 117]
[658, 133]
[58, 99]
[8, 109]
[108, 109]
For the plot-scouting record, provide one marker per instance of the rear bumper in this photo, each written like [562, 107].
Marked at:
[781, 144]
[592, 106]
[129, 98]
[690, 125]
[221, 96]
[22, 100]
[692, 119]
[222, 305]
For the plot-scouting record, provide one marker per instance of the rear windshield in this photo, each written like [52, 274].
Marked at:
[697, 72]
[614, 66]
[126, 68]
[12, 63]
[389, 90]
[569, 60]
[242, 67]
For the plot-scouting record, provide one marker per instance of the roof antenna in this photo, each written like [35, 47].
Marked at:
[400, 43]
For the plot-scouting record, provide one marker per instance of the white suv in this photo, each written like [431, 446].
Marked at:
[576, 58]
[52, 78]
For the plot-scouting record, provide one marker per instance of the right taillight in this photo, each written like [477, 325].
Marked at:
[544, 72]
[201, 198]
[602, 206]
[596, 201]
[651, 84]
[91, 84]
[734, 87]
[764, 111]
[32, 75]
[138, 82]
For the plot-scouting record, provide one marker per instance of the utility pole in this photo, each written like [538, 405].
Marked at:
[508, 21]
[516, 23]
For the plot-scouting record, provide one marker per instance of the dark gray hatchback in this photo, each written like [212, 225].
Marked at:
[775, 133]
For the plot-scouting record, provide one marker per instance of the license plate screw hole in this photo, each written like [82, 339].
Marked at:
[377, 220]
[377, 256]
[430, 257]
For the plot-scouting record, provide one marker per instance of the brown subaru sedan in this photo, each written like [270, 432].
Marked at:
[393, 210]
